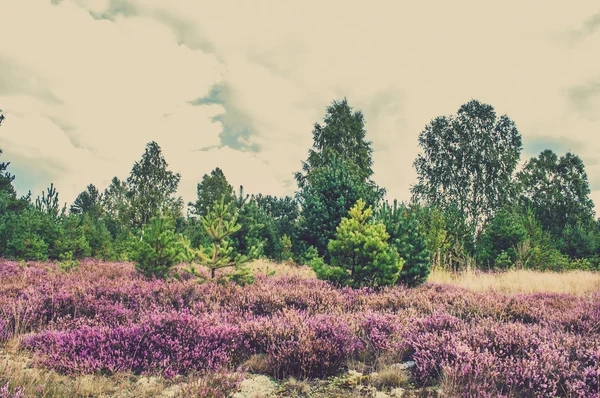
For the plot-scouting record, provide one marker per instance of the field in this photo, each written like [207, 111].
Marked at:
[100, 329]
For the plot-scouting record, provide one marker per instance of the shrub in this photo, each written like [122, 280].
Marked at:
[162, 344]
[302, 346]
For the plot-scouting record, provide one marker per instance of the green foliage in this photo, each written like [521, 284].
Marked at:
[360, 253]
[159, 248]
[557, 190]
[72, 241]
[503, 233]
[98, 237]
[25, 240]
[579, 240]
[286, 248]
[49, 203]
[115, 205]
[326, 197]
[151, 188]
[402, 225]
[212, 188]
[220, 223]
[282, 215]
[468, 161]
[88, 202]
[342, 137]
[256, 232]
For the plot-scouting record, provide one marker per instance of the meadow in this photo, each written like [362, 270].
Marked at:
[101, 329]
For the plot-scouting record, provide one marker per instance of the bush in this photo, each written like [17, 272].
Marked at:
[302, 346]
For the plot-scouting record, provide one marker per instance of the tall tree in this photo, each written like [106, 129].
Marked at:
[468, 160]
[88, 202]
[152, 187]
[212, 188]
[342, 136]
[326, 196]
[557, 190]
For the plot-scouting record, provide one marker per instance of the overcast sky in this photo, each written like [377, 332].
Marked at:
[85, 84]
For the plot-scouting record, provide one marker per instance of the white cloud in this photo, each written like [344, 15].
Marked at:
[402, 63]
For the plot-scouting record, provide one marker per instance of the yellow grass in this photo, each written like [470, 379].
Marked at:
[522, 281]
[267, 267]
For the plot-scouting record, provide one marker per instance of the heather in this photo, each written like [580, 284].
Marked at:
[106, 318]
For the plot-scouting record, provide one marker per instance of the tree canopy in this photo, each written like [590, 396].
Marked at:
[468, 160]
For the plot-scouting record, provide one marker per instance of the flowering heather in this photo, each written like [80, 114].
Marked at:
[5, 392]
[106, 318]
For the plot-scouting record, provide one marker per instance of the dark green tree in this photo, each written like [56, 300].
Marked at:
[211, 189]
[10, 205]
[503, 233]
[402, 225]
[49, 204]
[88, 202]
[26, 238]
[360, 253]
[151, 188]
[326, 196]
[282, 215]
[342, 136]
[557, 190]
[468, 160]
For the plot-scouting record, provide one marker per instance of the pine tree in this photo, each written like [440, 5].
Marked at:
[327, 196]
[360, 253]
[159, 249]
[402, 225]
[220, 223]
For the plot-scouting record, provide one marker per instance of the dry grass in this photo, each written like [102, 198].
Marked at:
[522, 281]
[287, 268]
[295, 387]
[391, 377]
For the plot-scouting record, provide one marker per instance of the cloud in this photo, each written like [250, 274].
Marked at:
[240, 85]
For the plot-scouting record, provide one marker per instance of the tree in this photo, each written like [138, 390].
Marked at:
[401, 223]
[342, 136]
[283, 214]
[88, 202]
[151, 187]
[503, 234]
[360, 253]
[49, 203]
[10, 205]
[159, 249]
[220, 223]
[557, 190]
[468, 160]
[212, 188]
[326, 196]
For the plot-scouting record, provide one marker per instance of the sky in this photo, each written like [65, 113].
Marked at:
[85, 84]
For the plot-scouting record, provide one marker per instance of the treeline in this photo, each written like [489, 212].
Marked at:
[470, 208]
